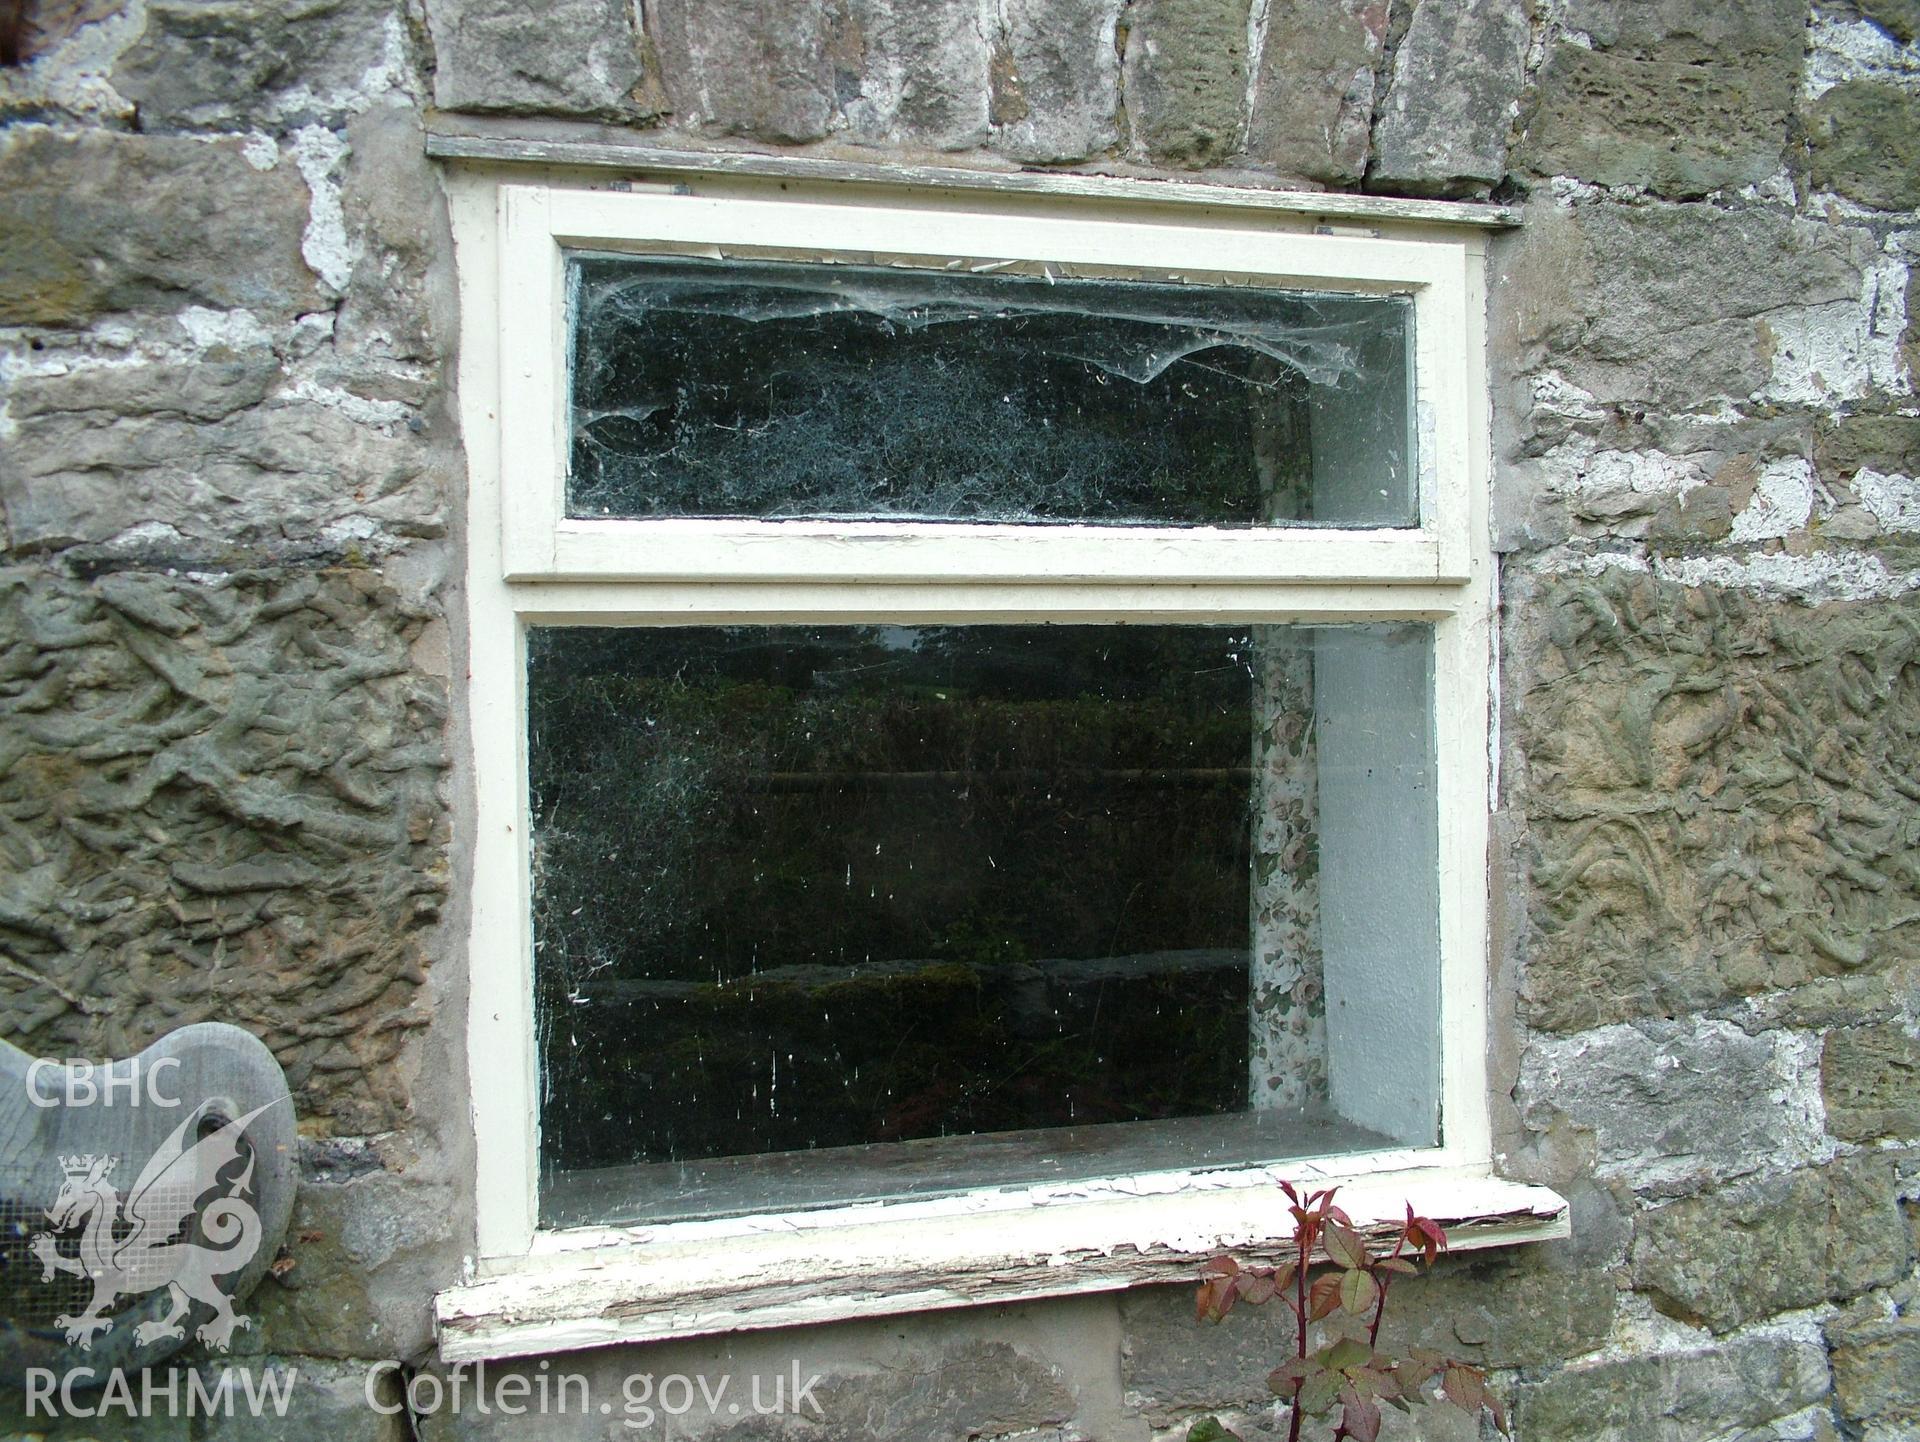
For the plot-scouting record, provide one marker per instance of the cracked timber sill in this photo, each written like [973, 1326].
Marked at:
[597, 1288]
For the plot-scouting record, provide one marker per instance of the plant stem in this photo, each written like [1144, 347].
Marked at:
[1384, 1279]
[1295, 1418]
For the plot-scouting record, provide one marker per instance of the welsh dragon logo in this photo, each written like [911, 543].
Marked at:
[160, 1234]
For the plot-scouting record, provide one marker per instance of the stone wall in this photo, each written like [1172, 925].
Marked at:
[231, 479]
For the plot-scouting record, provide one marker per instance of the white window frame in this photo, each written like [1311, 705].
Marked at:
[528, 564]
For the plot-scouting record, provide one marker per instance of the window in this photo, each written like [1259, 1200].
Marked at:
[980, 723]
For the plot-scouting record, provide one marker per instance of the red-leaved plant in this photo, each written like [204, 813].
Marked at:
[1336, 1286]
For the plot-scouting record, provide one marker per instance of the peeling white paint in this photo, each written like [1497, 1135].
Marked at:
[73, 76]
[1558, 396]
[320, 153]
[1592, 563]
[1843, 350]
[1893, 501]
[855, 1262]
[1782, 502]
[1580, 468]
[1646, 472]
[383, 414]
[145, 536]
[1777, 189]
[1653, 1097]
[1815, 579]
[237, 329]
[260, 150]
[1839, 50]
[310, 333]
[386, 76]
[362, 532]
[1799, 1099]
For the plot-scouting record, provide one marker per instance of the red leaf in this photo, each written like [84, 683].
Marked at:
[1290, 1373]
[1323, 1297]
[1215, 1299]
[1256, 1290]
[1499, 1415]
[1361, 1419]
[1430, 1238]
[1463, 1387]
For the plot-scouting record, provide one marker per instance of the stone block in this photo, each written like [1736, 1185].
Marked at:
[359, 1257]
[1677, 743]
[1505, 1311]
[1677, 1396]
[1681, 296]
[1314, 88]
[1888, 444]
[208, 229]
[1055, 80]
[979, 1389]
[1899, 18]
[221, 803]
[1502, 1310]
[1449, 109]
[923, 73]
[400, 303]
[1841, 1001]
[1681, 99]
[1746, 1253]
[568, 57]
[102, 450]
[1186, 79]
[1669, 1106]
[1702, 516]
[1870, 1076]
[1864, 138]
[240, 64]
[768, 69]
[1876, 1369]
[1172, 1365]
[966, 1389]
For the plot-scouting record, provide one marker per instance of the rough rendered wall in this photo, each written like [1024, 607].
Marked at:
[231, 484]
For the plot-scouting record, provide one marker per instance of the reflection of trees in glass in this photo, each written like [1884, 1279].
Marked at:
[902, 835]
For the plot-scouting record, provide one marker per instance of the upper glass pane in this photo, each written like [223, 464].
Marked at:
[760, 389]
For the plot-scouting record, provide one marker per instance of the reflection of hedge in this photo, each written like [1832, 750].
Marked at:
[941, 1049]
[701, 818]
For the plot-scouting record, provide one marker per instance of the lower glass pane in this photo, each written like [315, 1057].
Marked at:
[834, 913]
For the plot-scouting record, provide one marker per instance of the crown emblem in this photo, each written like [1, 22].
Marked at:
[81, 1166]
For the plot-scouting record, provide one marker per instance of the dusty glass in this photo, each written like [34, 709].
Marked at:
[832, 913]
[702, 388]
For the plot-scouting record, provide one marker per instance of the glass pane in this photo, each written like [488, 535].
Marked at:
[827, 913]
[707, 388]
